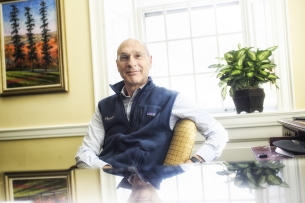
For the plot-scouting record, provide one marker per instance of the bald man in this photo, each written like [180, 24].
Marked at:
[134, 126]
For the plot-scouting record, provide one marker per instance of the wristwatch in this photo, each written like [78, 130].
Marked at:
[195, 160]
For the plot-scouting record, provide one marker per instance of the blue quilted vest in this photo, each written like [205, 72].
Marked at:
[144, 140]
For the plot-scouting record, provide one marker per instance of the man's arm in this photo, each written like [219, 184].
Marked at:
[216, 136]
[87, 154]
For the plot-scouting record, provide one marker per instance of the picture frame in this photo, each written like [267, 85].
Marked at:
[32, 47]
[40, 186]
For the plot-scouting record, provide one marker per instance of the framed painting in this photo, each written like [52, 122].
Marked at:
[33, 49]
[42, 186]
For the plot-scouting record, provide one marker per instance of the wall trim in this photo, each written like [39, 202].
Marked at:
[238, 126]
[43, 132]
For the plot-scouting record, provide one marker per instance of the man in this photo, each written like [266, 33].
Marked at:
[134, 126]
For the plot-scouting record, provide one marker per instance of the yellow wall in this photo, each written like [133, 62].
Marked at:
[77, 106]
[297, 40]
[73, 107]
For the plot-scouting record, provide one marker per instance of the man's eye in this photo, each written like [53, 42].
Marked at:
[124, 57]
[138, 56]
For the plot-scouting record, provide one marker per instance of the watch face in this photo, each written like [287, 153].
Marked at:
[195, 160]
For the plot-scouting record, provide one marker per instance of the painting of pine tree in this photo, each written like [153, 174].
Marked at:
[31, 43]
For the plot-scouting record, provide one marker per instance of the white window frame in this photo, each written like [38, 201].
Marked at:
[280, 36]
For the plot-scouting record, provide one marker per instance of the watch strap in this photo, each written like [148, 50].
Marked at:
[195, 160]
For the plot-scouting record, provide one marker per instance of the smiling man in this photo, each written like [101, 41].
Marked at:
[134, 64]
[134, 126]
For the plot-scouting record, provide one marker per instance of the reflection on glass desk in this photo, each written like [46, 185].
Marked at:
[235, 182]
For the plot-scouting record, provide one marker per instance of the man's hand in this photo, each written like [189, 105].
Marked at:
[107, 167]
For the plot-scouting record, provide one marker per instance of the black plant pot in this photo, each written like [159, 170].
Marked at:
[249, 100]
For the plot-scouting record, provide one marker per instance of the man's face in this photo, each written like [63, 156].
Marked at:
[133, 63]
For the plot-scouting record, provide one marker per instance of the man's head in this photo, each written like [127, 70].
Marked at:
[133, 62]
[143, 192]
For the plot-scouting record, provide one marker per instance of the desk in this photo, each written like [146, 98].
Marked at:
[209, 182]
[292, 128]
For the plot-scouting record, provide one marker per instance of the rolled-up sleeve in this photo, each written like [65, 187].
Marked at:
[215, 135]
[87, 154]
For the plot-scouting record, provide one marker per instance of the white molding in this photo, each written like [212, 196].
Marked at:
[98, 49]
[255, 119]
[43, 132]
[242, 128]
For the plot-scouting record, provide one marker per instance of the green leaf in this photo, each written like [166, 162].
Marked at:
[235, 72]
[215, 66]
[261, 180]
[266, 61]
[224, 172]
[241, 60]
[272, 76]
[238, 182]
[264, 73]
[239, 46]
[242, 165]
[272, 48]
[219, 75]
[262, 55]
[285, 185]
[250, 74]
[267, 66]
[251, 55]
[224, 92]
[251, 184]
[250, 63]
[250, 177]
[228, 56]
[239, 54]
[273, 180]
[260, 78]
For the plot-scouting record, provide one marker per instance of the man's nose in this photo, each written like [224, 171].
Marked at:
[132, 61]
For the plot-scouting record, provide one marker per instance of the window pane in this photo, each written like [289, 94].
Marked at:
[177, 23]
[211, 190]
[203, 20]
[262, 24]
[229, 42]
[184, 84]
[159, 58]
[180, 57]
[270, 101]
[155, 28]
[205, 52]
[162, 82]
[228, 17]
[208, 92]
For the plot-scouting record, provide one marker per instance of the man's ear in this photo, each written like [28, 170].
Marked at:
[150, 60]
[117, 65]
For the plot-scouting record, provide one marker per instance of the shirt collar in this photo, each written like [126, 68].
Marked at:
[124, 91]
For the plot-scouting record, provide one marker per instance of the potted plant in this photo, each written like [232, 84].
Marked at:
[245, 70]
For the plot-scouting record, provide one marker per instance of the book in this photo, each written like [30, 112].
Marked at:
[288, 153]
[269, 151]
[284, 152]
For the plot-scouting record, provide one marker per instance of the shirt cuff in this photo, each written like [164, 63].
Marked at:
[99, 164]
[96, 164]
[207, 153]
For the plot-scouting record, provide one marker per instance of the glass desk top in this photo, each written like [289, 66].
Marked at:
[222, 182]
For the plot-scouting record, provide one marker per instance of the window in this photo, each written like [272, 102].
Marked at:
[185, 38]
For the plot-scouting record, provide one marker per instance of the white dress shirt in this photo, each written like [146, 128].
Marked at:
[215, 135]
